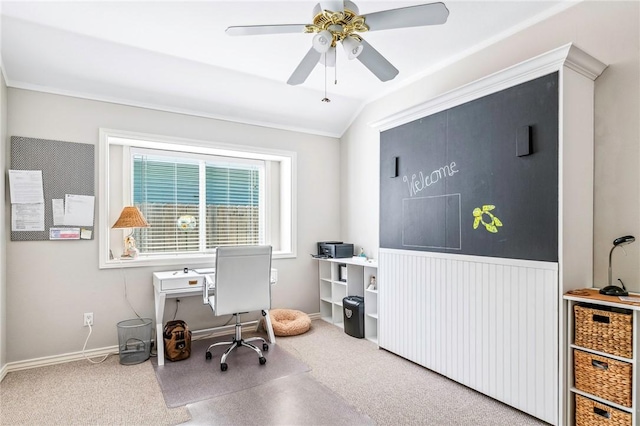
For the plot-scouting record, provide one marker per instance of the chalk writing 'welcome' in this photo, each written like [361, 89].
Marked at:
[420, 181]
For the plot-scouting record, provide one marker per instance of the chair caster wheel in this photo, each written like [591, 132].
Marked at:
[223, 366]
[265, 347]
[207, 355]
[263, 360]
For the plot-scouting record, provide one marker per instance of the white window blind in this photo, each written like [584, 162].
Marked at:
[196, 204]
[233, 211]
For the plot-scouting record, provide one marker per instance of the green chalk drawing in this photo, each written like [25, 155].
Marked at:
[478, 214]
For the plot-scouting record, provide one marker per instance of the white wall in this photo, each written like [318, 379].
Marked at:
[50, 284]
[3, 262]
[3, 233]
[608, 31]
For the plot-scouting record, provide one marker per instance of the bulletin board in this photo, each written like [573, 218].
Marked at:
[67, 168]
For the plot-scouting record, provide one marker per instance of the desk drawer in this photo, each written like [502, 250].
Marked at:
[181, 283]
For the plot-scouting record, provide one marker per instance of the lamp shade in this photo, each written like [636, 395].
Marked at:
[322, 41]
[352, 47]
[329, 57]
[131, 217]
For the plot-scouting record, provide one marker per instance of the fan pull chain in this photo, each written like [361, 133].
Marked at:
[325, 99]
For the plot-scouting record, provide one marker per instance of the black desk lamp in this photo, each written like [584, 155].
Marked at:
[613, 290]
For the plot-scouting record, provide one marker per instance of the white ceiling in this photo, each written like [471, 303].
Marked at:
[176, 56]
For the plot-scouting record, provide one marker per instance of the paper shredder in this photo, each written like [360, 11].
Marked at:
[353, 309]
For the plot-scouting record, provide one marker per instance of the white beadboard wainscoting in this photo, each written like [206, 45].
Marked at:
[488, 323]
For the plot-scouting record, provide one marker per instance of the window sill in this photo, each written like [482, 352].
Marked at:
[175, 261]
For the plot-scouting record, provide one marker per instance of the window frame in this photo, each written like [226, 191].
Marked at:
[285, 222]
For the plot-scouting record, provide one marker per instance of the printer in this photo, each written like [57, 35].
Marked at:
[335, 249]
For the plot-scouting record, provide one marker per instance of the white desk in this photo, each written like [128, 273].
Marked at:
[174, 284]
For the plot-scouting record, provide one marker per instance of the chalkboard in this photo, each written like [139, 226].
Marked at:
[480, 178]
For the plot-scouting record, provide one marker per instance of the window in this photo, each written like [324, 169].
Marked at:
[194, 204]
[194, 197]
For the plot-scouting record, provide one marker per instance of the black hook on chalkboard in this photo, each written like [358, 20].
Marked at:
[523, 141]
[393, 167]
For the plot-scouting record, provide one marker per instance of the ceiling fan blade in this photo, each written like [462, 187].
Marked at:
[305, 67]
[265, 29]
[376, 63]
[405, 17]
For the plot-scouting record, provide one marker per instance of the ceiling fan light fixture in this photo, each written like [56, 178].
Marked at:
[329, 57]
[322, 41]
[352, 47]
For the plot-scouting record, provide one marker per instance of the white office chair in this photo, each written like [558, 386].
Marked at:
[242, 284]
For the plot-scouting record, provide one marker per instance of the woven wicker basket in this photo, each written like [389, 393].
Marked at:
[592, 413]
[604, 377]
[604, 331]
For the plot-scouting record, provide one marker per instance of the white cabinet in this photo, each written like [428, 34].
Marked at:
[339, 278]
[602, 360]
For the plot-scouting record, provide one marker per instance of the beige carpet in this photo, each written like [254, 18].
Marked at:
[294, 400]
[390, 389]
[81, 393]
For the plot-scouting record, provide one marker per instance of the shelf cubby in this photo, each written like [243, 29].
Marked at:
[357, 275]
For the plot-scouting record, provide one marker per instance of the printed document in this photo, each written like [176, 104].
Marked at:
[57, 205]
[27, 217]
[78, 210]
[25, 186]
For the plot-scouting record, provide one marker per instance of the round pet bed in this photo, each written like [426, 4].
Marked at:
[289, 322]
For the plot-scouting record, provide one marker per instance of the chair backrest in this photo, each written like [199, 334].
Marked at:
[242, 279]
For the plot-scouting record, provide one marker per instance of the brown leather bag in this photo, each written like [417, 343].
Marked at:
[177, 340]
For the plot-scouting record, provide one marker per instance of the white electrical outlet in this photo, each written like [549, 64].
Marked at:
[88, 319]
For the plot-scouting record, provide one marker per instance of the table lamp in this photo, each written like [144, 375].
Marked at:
[611, 289]
[131, 217]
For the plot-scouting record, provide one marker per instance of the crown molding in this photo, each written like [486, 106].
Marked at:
[568, 56]
[167, 108]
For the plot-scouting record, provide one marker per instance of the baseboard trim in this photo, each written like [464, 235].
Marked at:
[92, 353]
[3, 372]
[113, 350]
[61, 359]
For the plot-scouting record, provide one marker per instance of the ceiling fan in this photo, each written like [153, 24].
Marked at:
[339, 22]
